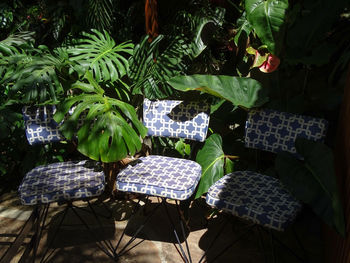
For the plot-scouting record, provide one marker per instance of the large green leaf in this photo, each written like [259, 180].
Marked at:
[11, 44]
[100, 54]
[100, 14]
[267, 17]
[313, 180]
[107, 129]
[245, 92]
[33, 76]
[212, 158]
[244, 28]
[150, 68]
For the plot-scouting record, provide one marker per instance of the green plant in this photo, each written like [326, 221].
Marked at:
[152, 67]
[99, 54]
[313, 180]
[105, 133]
[215, 164]
[245, 92]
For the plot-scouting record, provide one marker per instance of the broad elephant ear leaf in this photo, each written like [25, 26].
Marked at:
[244, 92]
[107, 129]
[313, 180]
[267, 17]
[212, 159]
[99, 53]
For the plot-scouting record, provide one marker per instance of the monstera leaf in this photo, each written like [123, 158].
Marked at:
[267, 17]
[214, 163]
[313, 180]
[245, 92]
[100, 54]
[107, 129]
[34, 76]
[10, 45]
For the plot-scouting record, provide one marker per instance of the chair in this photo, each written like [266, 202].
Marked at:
[62, 182]
[258, 198]
[167, 177]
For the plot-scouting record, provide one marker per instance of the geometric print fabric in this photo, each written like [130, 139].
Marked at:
[256, 197]
[275, 131]
[162, 176]
[176, 119]
[62, 181]
[40, 126]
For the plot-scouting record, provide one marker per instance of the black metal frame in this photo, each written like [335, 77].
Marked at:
[259, 228]
[183, 252]
[41, 212]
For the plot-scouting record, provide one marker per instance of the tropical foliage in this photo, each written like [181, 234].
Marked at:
[94, 56]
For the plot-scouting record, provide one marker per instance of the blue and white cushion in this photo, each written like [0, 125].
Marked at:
[40, 126]
[162, 176]
[256, 197]
[63, 181]
[177, 119]
[276, 131]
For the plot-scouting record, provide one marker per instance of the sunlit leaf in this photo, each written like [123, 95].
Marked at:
[211, 158]
[100, 54]
[245, 92]
[268, 17]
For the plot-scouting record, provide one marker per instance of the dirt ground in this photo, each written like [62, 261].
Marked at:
[75, 243]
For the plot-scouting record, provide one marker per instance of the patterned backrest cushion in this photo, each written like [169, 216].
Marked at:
[40, 126]
[177, 119]
[276, 131]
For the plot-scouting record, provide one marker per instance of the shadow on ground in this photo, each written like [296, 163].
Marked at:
[75, 243]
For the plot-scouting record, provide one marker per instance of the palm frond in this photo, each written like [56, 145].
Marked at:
[150, 68]
[100, 14]
[99, 53]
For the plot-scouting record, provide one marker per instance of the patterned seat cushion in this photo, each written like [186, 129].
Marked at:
[41, 128]
[61, 182]
[256, 197]
[276, 131]
[161, 176]
[176, 119]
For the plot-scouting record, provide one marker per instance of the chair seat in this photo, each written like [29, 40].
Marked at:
[63, 181]
[256, 197]
[161, 176]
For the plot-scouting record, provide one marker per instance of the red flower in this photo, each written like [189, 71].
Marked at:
[270, 64]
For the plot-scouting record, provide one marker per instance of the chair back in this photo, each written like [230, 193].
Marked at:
[40, 126]
[176, 119]
[276, 131]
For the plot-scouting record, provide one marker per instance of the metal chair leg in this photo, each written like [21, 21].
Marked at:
[185, 258]
[41, 214]
[261, 243]
[44, 258]
[125, 249]
[100, 246]
[275, 239]
[213, 240]
[272, 247]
